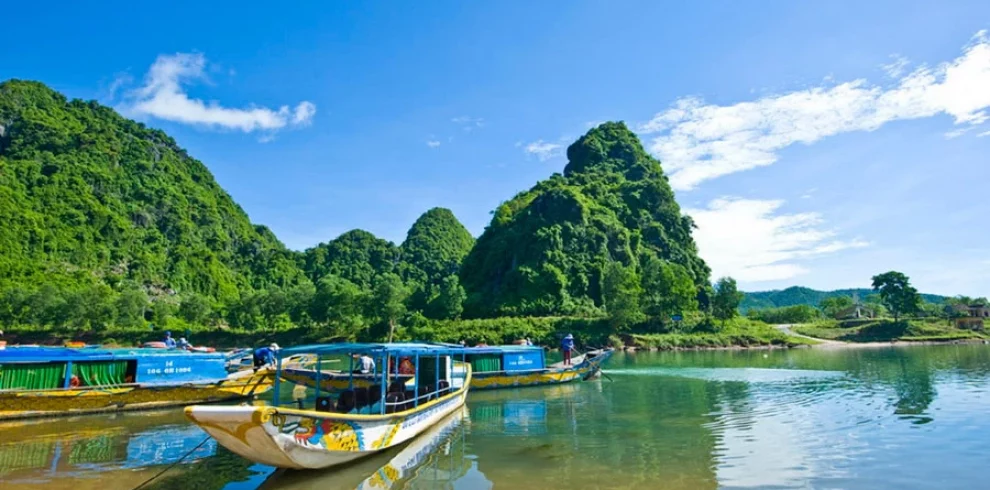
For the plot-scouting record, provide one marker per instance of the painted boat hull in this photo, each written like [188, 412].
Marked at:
[68, 402]
[583, 370]
[306, 439]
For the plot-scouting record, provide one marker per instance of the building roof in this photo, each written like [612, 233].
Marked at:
[399, 348]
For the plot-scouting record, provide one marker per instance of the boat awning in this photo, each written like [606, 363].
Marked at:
[64, 354]
[394, 349]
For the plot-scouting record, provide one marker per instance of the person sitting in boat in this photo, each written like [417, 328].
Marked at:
[183, 344]
[169, 341]
[566, 346]
[366, 364]
[406, 366]
[265, 356]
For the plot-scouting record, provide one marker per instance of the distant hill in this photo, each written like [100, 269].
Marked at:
[797, 295]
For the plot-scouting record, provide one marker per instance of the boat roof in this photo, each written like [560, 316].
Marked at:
[55, 354]
[397, 348]
[501, 349]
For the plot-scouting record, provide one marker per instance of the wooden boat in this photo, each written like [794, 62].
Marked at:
[344, 425]
[56, 381]
[507, 366]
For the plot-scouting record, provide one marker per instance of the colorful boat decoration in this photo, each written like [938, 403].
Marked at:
[57, 381]
[344, 425]
[507, 366]
[435, 459]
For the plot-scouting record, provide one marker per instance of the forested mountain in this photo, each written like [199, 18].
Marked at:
[89, 197]
[550, 249]
[436, 245]
[357, 256]
[797, 295]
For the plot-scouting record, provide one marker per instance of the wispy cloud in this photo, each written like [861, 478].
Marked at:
[164, 96]
[433, 143]
[698, 142]
[468, 123]
[897, 67]
[544, 150]
[752, 241]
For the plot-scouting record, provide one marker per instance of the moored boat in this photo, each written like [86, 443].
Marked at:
[47, 381]
[337, 426]
[507, 366]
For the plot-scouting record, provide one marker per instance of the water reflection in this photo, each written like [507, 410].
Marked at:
[435, 459]
[78, 452]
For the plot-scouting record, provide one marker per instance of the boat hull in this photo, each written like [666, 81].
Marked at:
[304, 439]
[68, 402]
[582, 370]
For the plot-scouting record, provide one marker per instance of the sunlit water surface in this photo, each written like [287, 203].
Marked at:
[910, 417]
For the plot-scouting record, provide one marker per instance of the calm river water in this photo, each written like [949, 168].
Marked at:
[908, 417]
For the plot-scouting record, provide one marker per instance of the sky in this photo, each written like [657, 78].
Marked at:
[814, 144]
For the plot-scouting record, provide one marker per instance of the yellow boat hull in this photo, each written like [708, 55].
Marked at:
[49, 403]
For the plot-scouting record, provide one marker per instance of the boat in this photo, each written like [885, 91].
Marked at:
[338, 426]
[58, 381]
[506, 366]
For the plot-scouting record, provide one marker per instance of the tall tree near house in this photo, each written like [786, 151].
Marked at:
[896, 293]
[390, 300]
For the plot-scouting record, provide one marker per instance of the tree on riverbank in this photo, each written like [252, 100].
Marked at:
[725, 303]
[897, 294]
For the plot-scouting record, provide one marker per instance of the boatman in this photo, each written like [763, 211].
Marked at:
[265, 356]
[567, 345]
[169, 341]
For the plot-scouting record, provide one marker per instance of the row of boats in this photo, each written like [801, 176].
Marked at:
[325, 410]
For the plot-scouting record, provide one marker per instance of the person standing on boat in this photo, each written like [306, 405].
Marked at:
[265, 356]
[566, 346]
[169, 341]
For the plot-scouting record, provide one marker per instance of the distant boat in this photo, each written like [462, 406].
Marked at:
[508, 366]
[55, 381]
[337, 426]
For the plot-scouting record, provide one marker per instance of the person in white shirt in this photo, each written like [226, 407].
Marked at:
[366, 364]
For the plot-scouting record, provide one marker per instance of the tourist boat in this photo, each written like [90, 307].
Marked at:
[335, 427]
[503, 366]
[506, 366]
[51, 381]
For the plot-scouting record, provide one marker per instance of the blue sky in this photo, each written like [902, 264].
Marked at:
[814, 144]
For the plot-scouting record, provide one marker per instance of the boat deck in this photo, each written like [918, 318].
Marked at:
[574, 362]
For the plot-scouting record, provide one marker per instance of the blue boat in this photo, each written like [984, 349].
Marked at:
[53, 381]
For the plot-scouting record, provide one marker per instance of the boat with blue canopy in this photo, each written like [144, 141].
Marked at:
[492, 367]
[54, 381]
[337, 425]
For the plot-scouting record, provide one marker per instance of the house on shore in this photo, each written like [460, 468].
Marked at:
[970, 317]
[855, 312]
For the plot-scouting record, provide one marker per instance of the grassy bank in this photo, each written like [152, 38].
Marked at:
[740, 332]
[913, 330]
[589, 332]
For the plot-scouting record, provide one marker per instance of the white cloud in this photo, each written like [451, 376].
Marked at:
[468, 123]
[897, 67]
[751, 241]
[433, 143]
[163, 96]
[985, 133]
[543, 150]
[699, 141]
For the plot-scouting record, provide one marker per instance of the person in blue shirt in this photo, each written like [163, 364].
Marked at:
[265, 356]
[567, 345]
[169, 341]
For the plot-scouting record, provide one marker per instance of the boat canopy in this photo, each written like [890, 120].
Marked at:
[64, 354]
[394, 349]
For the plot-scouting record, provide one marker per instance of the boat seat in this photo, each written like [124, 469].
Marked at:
[397, 387]
[375, 393]
[443, 387]
[361, 397]
[324, 404]
[393, 402]
[345, 402]
[426, 393]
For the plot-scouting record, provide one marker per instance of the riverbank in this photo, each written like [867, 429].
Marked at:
[886, 332]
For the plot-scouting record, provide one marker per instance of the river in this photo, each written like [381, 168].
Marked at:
[894, 417]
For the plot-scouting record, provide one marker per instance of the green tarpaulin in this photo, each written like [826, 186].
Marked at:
[40, 376]
[100, 373]
[484, 363]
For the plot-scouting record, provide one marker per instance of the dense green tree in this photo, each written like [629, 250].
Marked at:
[545, 250]
[340, 302]
[667, 290]
[195, 309]
[785, 314]
[388, 304]
[832, 305]
[797, 295]
[449, 301]
[356, 255]
[435, 246]
[896, 293]
[726, 301]
[131, 305]
[621, 292]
